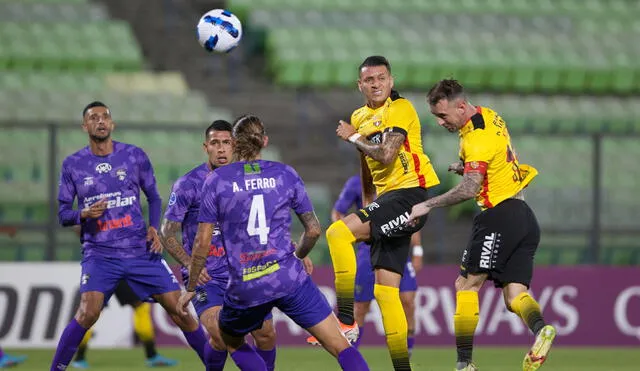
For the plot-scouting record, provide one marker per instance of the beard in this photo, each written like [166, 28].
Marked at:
[100, 138]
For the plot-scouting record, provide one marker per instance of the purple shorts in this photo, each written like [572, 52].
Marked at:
[306, 306]
[146, 275]
[211, 295]
[365, 277]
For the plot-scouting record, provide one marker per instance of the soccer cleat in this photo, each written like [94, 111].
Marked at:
[351, 332]
[160, 361]
[540, 349]
[82, 364]
[9, 361]
[468, 367]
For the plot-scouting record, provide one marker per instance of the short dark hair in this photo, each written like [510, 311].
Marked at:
[93, 104]
[375, 60]
[448, 89]
[249, 133]
[219, 125]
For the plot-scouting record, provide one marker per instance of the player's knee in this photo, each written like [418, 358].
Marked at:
[265, 338]
[470, 283]
[215, 340]
[87, 316]
[332, 232]
[185, 322]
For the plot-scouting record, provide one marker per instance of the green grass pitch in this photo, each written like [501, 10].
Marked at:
[315, 359]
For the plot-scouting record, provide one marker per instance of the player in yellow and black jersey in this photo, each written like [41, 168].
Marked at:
[386, 131]
[505, 234]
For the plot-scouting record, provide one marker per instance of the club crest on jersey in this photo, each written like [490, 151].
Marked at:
[121, 173]
[173, 198]
[103, 168]
[201, 296]
[88, 181]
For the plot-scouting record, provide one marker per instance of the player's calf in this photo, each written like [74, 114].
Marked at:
[190, 327]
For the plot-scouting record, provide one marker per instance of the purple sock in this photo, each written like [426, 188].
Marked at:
[247, 359]
[67, 345]
[357, 342]
[214, 359]
[269, 357]
[350, 359]
[197, 340]
[410, 341]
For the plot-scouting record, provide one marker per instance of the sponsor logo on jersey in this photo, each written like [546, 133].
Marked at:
[103, 168]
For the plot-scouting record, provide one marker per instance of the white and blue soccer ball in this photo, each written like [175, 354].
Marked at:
[219, 30]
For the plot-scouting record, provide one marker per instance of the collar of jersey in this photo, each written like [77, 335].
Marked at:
[468, 126]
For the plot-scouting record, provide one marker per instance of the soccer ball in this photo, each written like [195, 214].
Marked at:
[219, 30]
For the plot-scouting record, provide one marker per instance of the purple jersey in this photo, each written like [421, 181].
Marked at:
[183, 207]
[351, 194]
[117, 177]
[251, 202]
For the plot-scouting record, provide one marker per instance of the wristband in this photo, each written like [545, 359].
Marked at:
[188, 290]
[418, 250]
[354, 137]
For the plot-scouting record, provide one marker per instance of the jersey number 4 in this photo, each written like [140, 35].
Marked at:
[257, 224]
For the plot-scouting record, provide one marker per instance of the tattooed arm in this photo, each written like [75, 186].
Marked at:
[169, 232]
[384, 152]
[199, 253]
[368, 190]
[310, 235]
[466, 189]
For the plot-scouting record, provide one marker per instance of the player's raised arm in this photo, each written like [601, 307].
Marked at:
[368, 189]
[384, 152]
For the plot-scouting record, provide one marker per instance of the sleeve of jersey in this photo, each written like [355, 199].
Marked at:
[208, 203]
[148, 185]
[179, 201]
[67, 216]
[346, 198]
[478, 153]
[300, 202]
[400, 116]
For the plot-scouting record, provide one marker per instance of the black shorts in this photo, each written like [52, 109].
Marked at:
[390, 237]
[125, 294]
[503, 244]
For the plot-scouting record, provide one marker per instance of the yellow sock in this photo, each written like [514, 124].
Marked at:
[465, 321]
[395, 325]
[86, 338]
[142, 324]
[340, 240]
[528, 309]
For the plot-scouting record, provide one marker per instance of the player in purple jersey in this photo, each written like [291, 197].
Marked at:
[106, 178]
[7, 360]
[181, 215]
[250, 200]
[351, 195]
